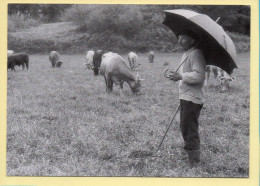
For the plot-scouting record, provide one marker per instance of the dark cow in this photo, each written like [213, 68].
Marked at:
[55, 59]
[96, 61]
[219, 74]
[18, 59]
[114, 69]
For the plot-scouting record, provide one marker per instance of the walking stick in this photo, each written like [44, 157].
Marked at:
[167, 129]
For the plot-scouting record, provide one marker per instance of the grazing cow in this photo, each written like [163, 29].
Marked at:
[133, 61]
[219, 74]
[55, 59]
[96, 61]
[151, 56]
[18, 59]
[10, 52]
[114, 69]
[89, 59]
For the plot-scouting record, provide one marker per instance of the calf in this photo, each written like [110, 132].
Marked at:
[55, 59]
[114, 69]
[133, 61]
[151, 56]
[17, 59]
[89, 59]
[219, 74]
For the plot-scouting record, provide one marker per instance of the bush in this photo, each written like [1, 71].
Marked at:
[20, 21]
[119, 19]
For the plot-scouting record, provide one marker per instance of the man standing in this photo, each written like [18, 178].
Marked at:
[191, 80]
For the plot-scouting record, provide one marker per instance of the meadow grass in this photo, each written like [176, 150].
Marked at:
[61, 122]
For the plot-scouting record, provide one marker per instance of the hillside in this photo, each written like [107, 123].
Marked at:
[66, 38]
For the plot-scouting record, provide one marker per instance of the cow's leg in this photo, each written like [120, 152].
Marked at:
[27, 65]
[12, 67]
[109, 84]
[207, 73]
[106, 83]
[215, 73]
[121, 87]
[23, 66]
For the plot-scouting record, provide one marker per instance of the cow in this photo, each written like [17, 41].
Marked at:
[17, 59]
[55, 59]
[89, 59]
[219, 74]
[151, 56]
[96, 61]
[114, 69]
[10, 52]
[133, 61]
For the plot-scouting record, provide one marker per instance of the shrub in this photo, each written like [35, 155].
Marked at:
[20, 21]
[120, 19]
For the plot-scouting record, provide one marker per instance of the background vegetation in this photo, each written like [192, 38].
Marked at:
[113, 27]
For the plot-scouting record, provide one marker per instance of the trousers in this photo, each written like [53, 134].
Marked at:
[189, 124]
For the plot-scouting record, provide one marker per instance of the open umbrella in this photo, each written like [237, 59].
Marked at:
[218, 48]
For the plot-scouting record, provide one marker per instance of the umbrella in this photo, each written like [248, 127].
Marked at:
[218, 49]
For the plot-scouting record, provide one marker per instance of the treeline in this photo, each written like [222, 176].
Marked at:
[234, 18]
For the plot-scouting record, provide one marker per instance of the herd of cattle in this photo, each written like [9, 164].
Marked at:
[114, 68]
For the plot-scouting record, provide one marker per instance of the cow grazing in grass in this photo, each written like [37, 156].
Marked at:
[10, 52]
[151, 56]
[219, 74]
[133, 61]
[96, 61]
[17, 59]
[114, 69]
[55, 59]
[89, 59]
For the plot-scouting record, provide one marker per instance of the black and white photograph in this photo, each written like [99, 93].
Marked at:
[127, 90]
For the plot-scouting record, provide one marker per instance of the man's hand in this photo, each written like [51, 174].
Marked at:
[175, 76]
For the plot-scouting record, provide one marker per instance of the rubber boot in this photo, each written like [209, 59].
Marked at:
[194, 157]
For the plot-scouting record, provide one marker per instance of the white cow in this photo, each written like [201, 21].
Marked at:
[115, 71]
[10, 52]
[89, 59]
[133, 61]
[219, 74]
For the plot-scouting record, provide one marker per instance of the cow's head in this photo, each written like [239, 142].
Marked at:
[224, 82]
[58, 64]
[136, 85]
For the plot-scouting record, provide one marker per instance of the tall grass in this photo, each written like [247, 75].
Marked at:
[19, 21]
[61, 122]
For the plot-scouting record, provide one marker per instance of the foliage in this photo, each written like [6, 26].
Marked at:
[44, 12]
[119, 19]
[65, 38]
[20, 21]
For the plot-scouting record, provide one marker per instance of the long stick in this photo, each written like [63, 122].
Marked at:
[167, 129]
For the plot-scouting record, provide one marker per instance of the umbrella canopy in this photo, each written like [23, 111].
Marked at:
[218, 48]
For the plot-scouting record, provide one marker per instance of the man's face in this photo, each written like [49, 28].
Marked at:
[185, 41]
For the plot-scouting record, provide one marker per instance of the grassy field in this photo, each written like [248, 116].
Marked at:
[61, 122]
